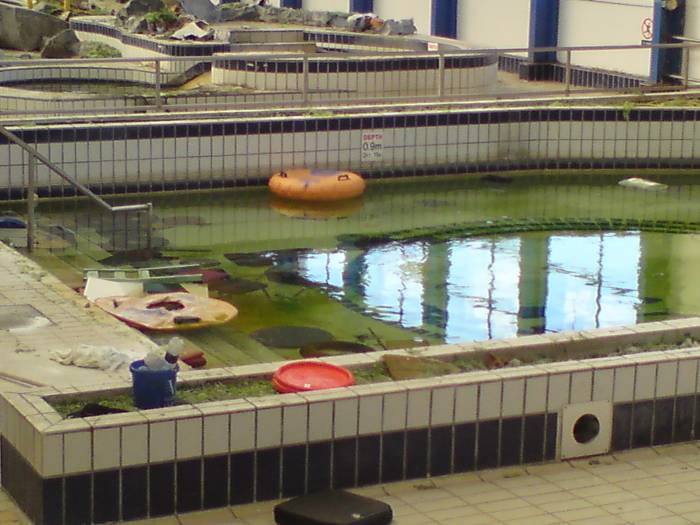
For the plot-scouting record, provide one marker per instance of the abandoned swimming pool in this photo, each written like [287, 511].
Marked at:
[418, 261]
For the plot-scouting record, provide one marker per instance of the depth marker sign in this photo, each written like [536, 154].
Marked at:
[372, 146]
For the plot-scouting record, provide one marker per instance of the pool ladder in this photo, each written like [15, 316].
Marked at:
[34, 155]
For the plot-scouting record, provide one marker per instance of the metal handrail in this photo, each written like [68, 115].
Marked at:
[35, 155]
[158, 102]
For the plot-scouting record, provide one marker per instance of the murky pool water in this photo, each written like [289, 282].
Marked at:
[421, 260]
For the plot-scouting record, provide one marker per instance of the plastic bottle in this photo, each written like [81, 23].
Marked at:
[155, 360]
[173, 350]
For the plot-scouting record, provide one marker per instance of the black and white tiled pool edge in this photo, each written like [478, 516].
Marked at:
[180, 459]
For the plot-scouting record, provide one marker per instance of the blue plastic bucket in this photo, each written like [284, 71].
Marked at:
[153, 388]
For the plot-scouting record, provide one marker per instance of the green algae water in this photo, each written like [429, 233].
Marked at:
[416, 261]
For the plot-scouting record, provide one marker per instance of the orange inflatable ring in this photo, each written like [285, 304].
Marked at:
[316, 185]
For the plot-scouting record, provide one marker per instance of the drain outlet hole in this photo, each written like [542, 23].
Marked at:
[586, 428]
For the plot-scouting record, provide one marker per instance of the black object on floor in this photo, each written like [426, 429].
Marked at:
[95, 409]
[333, 507]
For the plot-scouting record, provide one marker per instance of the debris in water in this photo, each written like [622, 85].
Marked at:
[330, 348]
[291, 336]
[642, 184]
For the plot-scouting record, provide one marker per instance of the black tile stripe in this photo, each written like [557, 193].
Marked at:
[344, 462]
[294, 464]
[319, 466]
[215, 481]
[79, 133]
[78, 500]
[177, 486]
[189, 485]
[267, 474]
[392, 463]
[134, 490]
[161, 490]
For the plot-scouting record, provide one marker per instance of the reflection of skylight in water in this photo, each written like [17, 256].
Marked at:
[482, 284]
[323, 267]
[620, 276]
[393, 283]
[592, 281]
[571, 289]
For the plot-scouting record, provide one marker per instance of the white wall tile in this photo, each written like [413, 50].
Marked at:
[242, 431]
[268, 427]
[106, 448]
[370, 421]
[418, 414]
[77, 451]
[394, 411]
[216, 437]
[536, 395]
[603, 380]
[52, 451]
[442, 406]
[466, 403]
[134, 445]
[161, 441]
[624, 384]
[645, 382]
[666, 375]
[490, 400]
[321, 420]
[558, 391]
[513, 397]
[345, 418]
[687, 376]
[189, 438]
[581, 385]
[294, 424]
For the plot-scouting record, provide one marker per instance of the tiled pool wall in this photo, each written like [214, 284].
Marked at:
[329, 77]
[378, 75]
[201, 153]
[580, 76]
[185, 458]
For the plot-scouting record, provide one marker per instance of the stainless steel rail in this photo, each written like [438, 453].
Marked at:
[35, 155]
[305, 98]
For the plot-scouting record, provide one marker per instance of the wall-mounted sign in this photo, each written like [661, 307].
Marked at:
[647, 28]
[372, 146]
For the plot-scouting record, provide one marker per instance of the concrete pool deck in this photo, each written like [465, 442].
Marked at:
[67, 323]
[659, 485]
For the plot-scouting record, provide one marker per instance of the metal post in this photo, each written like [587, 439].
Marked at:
[31, 201]
[149, 226]
[159, 100]
[66, 5]
[685, 65]
[441, 76]
[305, 80]
[567, 72]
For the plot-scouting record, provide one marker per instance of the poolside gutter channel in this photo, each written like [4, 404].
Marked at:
[191, 457]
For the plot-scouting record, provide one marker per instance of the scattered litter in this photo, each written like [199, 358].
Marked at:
[97, 288]
[30, 325]
[642, 184]
[198, 30]
[90, 356]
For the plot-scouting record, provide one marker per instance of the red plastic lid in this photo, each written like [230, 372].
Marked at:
[302, 376]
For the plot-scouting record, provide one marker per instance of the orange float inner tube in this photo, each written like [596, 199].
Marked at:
[316, 185]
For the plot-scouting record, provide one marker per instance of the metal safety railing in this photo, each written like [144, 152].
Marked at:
[294, 84]
[33, 157]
